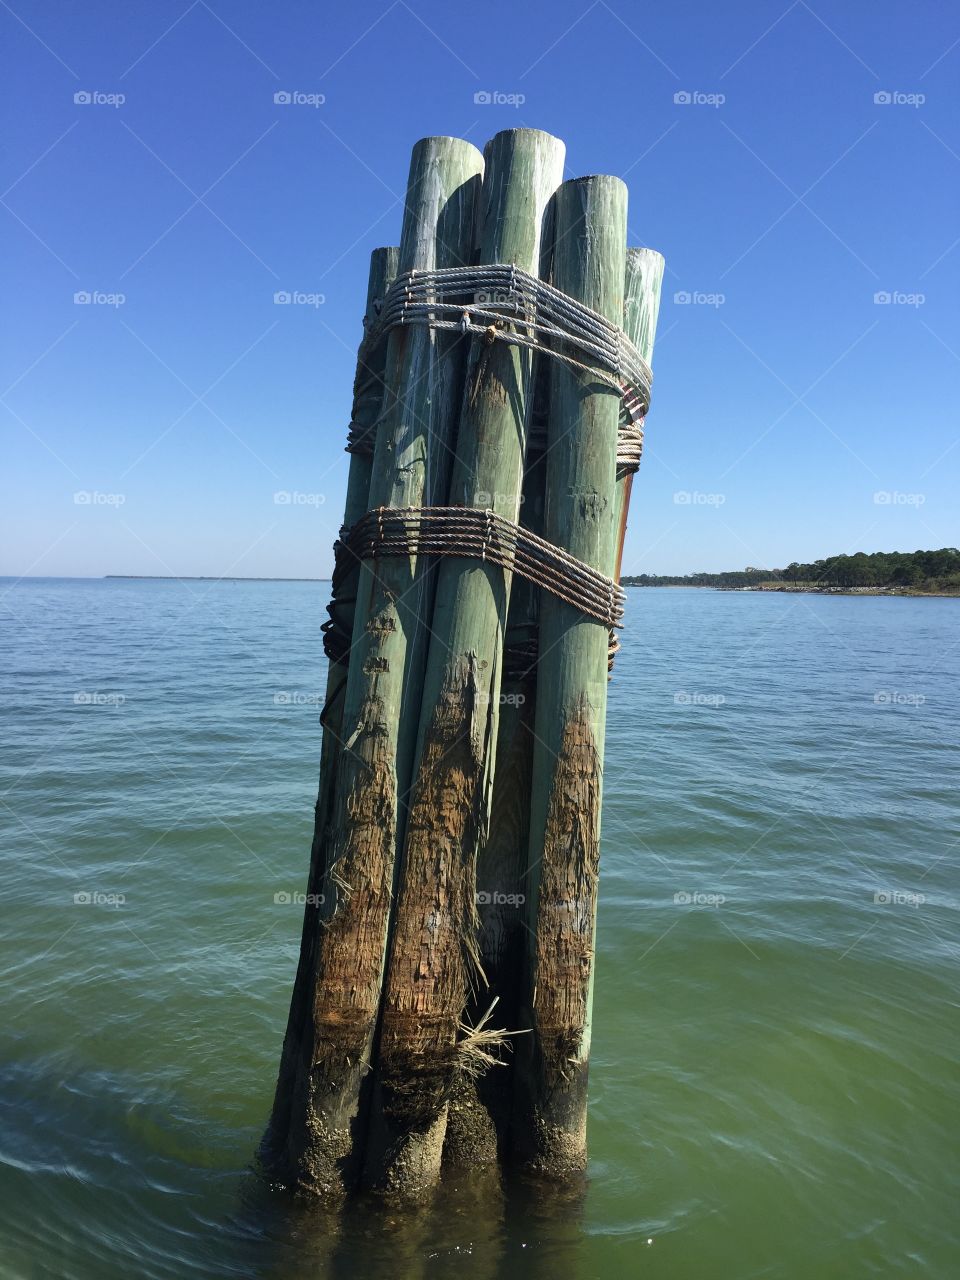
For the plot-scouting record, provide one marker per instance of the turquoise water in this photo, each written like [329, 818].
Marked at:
[774, 1089]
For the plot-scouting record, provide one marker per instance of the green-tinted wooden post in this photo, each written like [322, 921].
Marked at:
[368, 386]
[410, 468]
[434, 935]
[502, 859]
[641, 306]
[580, 514]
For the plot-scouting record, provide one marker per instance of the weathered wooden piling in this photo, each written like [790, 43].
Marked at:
[641, 306]
[580, 514]
[423, 1048]
[502, 858]
[368, 389]
[410, 468]
[462, 757]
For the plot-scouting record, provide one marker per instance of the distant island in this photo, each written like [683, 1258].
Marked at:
[186, 577]
[914, 573]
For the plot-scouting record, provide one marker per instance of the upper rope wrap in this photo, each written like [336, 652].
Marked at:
[501, 303]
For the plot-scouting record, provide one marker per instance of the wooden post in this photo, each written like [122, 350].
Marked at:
[580, 514]
[641, 306]
[368, 388]
[410, 468]
[502, 858]
[433, 953]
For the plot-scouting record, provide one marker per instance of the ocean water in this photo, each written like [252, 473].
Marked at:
[774, 1088]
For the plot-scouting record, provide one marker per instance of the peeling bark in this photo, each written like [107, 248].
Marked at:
[368, 394]
[564, 951]
[348, 966]
[433, 953]
[567, 902]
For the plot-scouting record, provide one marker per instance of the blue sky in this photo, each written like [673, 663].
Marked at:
[793, 416]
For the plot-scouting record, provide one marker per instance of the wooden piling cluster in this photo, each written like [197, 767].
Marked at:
[441, 1008]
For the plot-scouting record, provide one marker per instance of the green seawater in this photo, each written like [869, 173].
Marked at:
[774, 1084]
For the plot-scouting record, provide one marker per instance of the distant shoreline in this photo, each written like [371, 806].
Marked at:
[797, 588]
[801, 589]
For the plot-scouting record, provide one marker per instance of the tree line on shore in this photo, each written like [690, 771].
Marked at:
[914, 570]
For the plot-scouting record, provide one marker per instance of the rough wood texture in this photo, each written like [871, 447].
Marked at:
[422, 1050]
[502, 858]
[580, 514]
[368, 386]
[394, 596]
